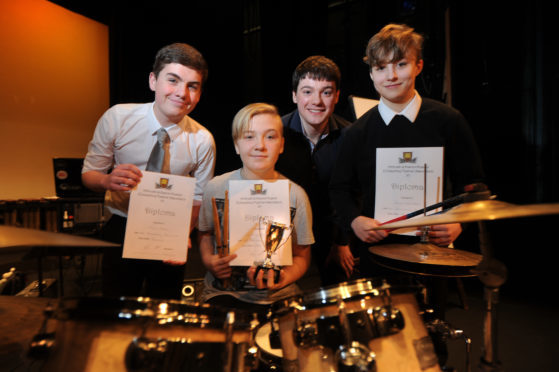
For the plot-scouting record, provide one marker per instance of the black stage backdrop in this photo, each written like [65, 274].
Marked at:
[504, 80]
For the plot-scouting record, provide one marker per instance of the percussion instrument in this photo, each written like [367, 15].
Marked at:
[269, 346]
[31, 243]
[481, 210]
[358, 325]
[100, 334]
[20, 239]
[426, 259]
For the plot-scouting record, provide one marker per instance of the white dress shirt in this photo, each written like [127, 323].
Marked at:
[410, 111]
[126, 134]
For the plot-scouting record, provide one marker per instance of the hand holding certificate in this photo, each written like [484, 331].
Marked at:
[159, 218]
[407, 179]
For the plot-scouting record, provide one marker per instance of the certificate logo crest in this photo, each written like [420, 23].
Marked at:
[163, 184]
[407, 157]
[258, 189]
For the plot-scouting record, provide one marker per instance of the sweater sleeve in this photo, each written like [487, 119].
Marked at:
[342, 184]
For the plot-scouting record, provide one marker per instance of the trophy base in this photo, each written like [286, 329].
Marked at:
[265, 275]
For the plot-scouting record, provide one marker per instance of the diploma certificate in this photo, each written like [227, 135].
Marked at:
[407, 179]
[248, 201]
[159, 215]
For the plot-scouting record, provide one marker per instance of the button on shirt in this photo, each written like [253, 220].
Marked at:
[126, 133]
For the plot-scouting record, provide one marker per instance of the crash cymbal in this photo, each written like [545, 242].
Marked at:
[426, 259]
[476, 211]
[16, 238]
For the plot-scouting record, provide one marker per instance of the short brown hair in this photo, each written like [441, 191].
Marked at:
[317, 68]
[183, 54]
[395, 42]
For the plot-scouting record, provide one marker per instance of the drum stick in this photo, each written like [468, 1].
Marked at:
[446, 203]
[225, 248]
[217, 228]
[226, 224]
[471, 189]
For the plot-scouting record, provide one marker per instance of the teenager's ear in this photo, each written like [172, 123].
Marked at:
[152, 81]
[419, 66]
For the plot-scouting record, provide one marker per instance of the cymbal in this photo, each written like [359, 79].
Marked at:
[427, 259]
[15, 238]
[476, 211]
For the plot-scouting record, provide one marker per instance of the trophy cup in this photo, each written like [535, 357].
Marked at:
[274, 237]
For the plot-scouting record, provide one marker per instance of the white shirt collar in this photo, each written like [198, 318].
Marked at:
[173, 130]
[410, 111]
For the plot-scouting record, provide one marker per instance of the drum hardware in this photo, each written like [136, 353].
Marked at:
[43, 341]
[359, 325]
[355, 358]
[354, 326]
[12, 282]
[352, 355]
[480, 207]
[145, 354]
[274, 338]
[182, 354]
[150, 335]
[252, 356]
[306, 333]
[493, 274]
[229, 321]
[448, 332]
[38, 244]
[268, 343]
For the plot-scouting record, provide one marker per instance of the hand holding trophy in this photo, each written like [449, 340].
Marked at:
[274, 237]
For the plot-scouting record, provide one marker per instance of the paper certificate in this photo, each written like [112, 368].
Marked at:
[249, 201]
[407, 179]
[159, 217]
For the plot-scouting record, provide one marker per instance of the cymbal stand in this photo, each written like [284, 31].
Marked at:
[493, 274]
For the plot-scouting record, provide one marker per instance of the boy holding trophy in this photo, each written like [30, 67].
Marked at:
[232, 280]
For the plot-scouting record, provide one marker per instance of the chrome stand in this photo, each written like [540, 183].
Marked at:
[493, 274]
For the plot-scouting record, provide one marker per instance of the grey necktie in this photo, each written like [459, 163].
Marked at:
[156, 161]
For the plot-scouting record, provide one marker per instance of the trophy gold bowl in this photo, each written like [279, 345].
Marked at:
[275, 235]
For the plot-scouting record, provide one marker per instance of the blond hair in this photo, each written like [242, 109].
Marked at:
[241, 121]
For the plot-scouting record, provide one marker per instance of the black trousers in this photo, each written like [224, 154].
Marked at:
[132, 277]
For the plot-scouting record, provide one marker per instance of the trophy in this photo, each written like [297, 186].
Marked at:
[274, 237]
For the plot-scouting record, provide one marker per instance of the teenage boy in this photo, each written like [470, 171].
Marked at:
[402, 119]
[258, 139]
[119, 151]
[313, 134]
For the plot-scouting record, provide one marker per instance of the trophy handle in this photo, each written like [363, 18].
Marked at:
[262, 221]
[285, 236]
